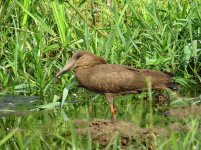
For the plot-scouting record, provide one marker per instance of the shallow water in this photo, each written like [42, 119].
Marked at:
[133, 119]
[16, 103]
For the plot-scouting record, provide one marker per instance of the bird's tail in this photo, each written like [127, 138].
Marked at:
[173, 86]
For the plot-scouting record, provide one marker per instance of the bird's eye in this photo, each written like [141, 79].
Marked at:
[78, 56]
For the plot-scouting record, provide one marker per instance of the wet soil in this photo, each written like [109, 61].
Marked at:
[104, 131]
[185, 112]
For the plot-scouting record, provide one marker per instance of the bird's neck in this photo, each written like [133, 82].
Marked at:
[81, 75]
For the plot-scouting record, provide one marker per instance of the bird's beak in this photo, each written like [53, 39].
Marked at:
[69, 65]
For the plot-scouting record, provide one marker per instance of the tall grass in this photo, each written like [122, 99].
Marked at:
[162, 35]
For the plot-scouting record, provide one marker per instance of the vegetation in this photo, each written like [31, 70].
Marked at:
[38, 37]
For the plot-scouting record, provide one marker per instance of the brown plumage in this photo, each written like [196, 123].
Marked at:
[94, 74]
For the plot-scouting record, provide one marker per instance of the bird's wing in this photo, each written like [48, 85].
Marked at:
[120, 78]
[146, 71]
[158, 79]
[114, 79]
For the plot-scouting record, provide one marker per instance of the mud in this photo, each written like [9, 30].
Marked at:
[185, 112]
[104, 131]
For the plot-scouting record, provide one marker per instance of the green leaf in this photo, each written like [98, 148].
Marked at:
[65, 94]
[38, 20]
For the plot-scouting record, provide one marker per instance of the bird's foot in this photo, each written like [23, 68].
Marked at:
[113, 121]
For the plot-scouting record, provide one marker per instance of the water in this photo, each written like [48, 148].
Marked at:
[14, 104]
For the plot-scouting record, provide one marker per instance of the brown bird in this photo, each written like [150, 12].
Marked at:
[94, 74]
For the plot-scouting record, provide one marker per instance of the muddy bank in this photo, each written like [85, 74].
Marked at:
[185, 112]
[104, 131]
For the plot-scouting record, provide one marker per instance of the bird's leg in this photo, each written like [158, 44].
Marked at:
[112, 109]
[110, 98]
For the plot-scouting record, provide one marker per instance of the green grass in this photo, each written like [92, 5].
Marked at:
[38, 37]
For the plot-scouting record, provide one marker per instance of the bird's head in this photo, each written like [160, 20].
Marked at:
[81, 59]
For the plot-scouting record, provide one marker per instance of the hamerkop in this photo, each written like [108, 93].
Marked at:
[94, 74]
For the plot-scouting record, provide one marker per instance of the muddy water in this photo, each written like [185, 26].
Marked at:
[16, 104]
[103, 131]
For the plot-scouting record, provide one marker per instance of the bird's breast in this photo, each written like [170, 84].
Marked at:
[82, 77]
